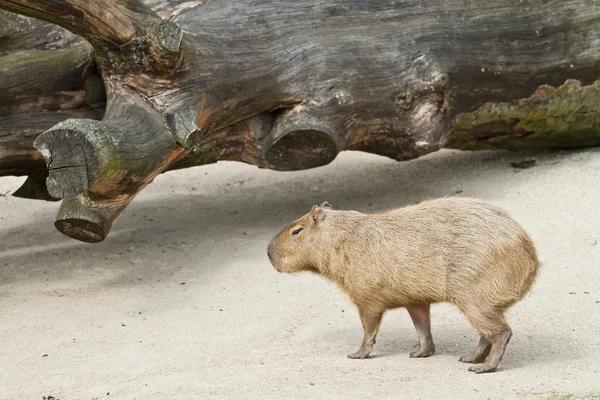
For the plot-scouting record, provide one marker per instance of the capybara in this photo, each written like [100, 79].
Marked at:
[456, 250]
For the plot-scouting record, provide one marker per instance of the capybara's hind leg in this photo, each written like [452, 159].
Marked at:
[370, 322]
[421, 319]
[499, 343]
[492, 326]
[479, 354]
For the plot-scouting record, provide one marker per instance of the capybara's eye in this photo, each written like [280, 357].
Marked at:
[297, 231]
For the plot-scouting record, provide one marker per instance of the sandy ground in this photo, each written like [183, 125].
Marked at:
[180, 301]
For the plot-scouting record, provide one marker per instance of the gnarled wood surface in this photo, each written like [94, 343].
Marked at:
[283, 84]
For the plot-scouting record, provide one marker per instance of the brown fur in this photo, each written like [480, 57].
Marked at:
[456, 250]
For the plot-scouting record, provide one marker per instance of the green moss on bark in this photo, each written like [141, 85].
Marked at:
[563, 117]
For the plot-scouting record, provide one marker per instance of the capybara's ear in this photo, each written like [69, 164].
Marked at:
[326, 205]
[317, 214]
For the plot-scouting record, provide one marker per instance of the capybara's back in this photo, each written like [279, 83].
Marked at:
[457, 250]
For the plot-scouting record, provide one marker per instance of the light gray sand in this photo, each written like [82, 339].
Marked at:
[79, 321]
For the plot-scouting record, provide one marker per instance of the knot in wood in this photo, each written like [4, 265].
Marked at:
[168, 36]
[403, 100]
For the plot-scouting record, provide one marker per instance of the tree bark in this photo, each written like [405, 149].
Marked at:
[47, 75]
[284, 85]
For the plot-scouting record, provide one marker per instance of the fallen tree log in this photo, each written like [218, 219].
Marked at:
[47, 75]
[284, 85]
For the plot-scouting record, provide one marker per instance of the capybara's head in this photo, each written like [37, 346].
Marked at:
[299, 247]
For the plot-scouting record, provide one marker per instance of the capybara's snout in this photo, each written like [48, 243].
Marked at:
[271, 255]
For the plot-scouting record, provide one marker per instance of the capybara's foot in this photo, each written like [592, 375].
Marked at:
[480, 353]
[422, 353]
[421, 319]
[483, 368]
[471, 360]
[370, 322]
[497, 345]
[361, 354]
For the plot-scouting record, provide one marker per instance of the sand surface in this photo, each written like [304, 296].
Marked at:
[180, 302]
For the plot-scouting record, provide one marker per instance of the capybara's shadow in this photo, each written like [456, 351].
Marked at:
[527, 347]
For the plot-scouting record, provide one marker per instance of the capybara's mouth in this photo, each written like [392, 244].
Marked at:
[277, 267]
[273, 263]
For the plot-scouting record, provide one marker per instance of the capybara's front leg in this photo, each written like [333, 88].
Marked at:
[370, 321]
[421, 319]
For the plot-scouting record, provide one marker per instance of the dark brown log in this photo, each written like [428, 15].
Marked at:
[77, 219]
[17, 134]
[89, 216]
[47, 75]
[99, 166]
[22, 34]
[126, 35]
[108, 155]
[396, 73]
[301, 139]
[564, 117]
[288, 84]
